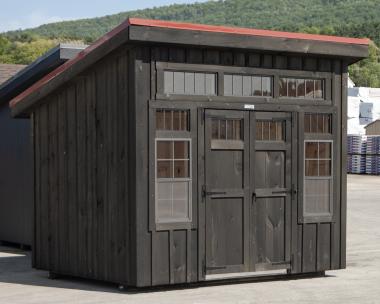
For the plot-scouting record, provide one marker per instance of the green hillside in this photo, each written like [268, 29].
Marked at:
[355, 18]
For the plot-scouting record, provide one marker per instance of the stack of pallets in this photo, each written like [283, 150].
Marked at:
[372, 164]
[356, 158]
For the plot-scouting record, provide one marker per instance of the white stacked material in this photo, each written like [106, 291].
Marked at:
[363, 108]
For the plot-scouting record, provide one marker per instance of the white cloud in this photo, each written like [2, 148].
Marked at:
[34, 19]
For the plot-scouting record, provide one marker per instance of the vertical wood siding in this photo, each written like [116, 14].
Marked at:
[174, 253]
[81, 156]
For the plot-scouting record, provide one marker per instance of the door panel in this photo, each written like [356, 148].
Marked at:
[247, 191]
[272, 187]
[226, 191]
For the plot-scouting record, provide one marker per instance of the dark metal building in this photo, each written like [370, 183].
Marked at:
[16, 162]
[173, 153]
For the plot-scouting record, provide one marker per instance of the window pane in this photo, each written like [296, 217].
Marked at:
[259, 130]
[238, 130]
[164, 191]
[164, 149]
[324, 150]
[168, 120]
[309, 88]
[300, 88]
[176, 120]
[280, 131]
[160, 120]
[283, 87]
[181, 149]
[320, 119]
[179, 83]
[292, 87]
[168, 82]
[327, 123]
[164, 169]
[180, 200]
[215, 129]
[265, 130]
[272, 130]
[311, 150]
[230, 129]
[256, 86]
[318, 89]
[317, 196]
[181, 168]
[311, 168]
[324, 168]
[237, 82]
[247, 86]
[267, 86]
[222, 134]
[210, 84]
[189, 83]
[164, 210]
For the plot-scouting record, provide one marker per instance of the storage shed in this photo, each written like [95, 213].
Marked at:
[16, 161]
[173, 153]
[373, 128]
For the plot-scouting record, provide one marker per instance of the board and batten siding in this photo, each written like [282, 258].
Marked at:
[81, 152]
[173, 253]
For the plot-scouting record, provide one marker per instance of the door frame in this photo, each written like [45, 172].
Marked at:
[294, 233]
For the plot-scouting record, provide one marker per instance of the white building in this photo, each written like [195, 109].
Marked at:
[363, 107]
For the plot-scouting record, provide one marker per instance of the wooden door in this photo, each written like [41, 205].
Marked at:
[272, 182]
[227, 191]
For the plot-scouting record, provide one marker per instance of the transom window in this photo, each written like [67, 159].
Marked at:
[247, 85]
[318, 123]
[269, 130]
[318, 178]
[189, 83]
[172, 120]
[301, 88]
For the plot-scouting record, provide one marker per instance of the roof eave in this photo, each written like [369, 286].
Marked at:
[350, 51]
[23, 104]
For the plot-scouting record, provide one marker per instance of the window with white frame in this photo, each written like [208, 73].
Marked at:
[318, 177]
[173, 182]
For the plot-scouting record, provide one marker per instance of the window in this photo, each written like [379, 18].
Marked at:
[247, 85]
[301, 88]
[318, 123]
[172, 120]
[189, 83]
[226, 134]
[318, 178]
[173, 180]
[269, 130]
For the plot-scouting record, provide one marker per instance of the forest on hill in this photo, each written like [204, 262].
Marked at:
[353, 18]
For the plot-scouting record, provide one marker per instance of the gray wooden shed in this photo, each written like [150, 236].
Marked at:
[16, 161]
[172, 153]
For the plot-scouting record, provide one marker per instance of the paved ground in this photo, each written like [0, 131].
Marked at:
[359, 283]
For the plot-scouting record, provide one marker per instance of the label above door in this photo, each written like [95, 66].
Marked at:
[249, 106]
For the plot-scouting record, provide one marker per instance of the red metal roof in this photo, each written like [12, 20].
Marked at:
[244, 31]
[180, 26]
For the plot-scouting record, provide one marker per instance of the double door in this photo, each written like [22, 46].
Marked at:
[248, 191]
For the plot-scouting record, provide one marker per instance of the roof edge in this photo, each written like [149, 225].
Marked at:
[245, 31]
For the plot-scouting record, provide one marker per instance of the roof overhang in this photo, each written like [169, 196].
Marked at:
[163, 32]
[36, 70]
[156, 31]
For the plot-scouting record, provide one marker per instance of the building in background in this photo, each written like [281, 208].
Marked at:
[16, 162]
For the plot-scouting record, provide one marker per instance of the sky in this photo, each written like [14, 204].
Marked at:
[21, 14]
